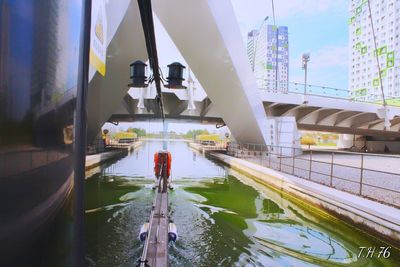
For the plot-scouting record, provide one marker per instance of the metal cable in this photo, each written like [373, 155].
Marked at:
[276, 47]
[149, 33]
[146, 16]
[273, 11]
[376, 54]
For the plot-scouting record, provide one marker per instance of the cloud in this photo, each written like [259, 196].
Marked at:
[327, 67]
[327, 57]
[258, 9]
[315, 25]
[308, 7]
[322, 60]
[250, 14]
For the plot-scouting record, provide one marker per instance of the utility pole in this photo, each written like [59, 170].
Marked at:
[305, 59]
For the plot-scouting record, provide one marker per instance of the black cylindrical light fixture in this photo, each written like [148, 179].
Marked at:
[138, 74]
[175, 75]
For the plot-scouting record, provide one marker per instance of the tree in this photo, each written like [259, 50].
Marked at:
[140, 132]
[307, 140]
[191, 134]
[326, 137]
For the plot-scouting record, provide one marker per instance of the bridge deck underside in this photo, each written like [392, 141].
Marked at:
[334, 119]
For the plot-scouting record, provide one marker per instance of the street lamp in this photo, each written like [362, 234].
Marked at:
[138, 74]
[175, 76]
[305, 58]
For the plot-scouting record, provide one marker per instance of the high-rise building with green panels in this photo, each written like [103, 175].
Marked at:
[268, 52]
[365, 81]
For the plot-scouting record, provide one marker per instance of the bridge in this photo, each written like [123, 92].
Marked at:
[331, 111]
[218, 67]
[42, 156]
[333, 114]
[227, 90]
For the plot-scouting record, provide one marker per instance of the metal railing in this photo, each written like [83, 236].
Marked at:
[100, 145]
[212, 145]
[318, 90]
[357, 173]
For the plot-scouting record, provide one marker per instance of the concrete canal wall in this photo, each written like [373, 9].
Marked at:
[206, 148]
[95, 160]
[378, 219]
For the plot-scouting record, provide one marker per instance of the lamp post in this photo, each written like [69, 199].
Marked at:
[175, 76]
[138, 74]
[305, 59]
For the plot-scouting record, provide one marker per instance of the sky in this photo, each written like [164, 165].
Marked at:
[318, 27]
[315, 26]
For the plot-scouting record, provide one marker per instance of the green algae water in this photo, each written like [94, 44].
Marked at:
[223, 218]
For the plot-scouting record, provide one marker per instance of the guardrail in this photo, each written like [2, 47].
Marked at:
[319, 90]
[356, 173]
[212, 145]
[100, 145]
[331, 92]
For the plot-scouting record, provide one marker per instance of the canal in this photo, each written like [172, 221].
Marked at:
[223, 218]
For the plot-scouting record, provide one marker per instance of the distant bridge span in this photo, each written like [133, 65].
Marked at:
[319, 113]
[316, 113]
[229, 90]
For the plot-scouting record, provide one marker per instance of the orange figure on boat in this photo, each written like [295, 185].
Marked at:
[162, 169]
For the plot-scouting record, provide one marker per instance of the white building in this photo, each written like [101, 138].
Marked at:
[363, 72]
[268, 51]
[251, 41]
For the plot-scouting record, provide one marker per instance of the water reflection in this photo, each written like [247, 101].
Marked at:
[39, 56]
[223, 218]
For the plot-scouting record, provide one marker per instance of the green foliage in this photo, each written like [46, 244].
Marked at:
[124, 135]
[208, 137]
[319, 139]
[140, 132]
[154, 135]
[391, 102]
[191, 134]
[307, 140]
